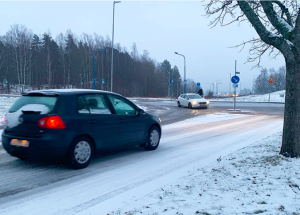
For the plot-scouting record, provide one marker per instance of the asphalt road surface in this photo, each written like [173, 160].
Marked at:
[30, 187]
[169, 112]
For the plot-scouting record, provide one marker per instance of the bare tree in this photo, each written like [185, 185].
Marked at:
[277, 24]
[61, 42]
[19, 39]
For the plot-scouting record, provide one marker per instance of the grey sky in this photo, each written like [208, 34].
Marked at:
[160, 27]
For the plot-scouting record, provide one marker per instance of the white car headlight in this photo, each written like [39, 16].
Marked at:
[207, 102]
[194, 102]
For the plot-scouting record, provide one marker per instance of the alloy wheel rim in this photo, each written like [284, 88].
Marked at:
[154, 138]
[82, 152]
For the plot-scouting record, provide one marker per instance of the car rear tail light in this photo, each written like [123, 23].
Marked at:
[3, 119]
[52, 122]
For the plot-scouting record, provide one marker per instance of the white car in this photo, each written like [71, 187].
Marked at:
[192, 100]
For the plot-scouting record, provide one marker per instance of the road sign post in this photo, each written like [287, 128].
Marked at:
[271, 81]
[235, 80]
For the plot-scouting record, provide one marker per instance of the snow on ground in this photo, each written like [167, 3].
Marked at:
[274, 97]
[5, 104]
[253, 180]
[278, 96]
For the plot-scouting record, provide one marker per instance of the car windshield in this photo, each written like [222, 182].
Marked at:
[48, 101]
[196, 96]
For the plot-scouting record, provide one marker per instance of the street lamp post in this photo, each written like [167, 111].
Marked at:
[94, 75]
[112, 48]
[30, 67]
[229, 83]
[169, 84]
[184, 89]
[217, 85]
[80, 81]
[213, 84]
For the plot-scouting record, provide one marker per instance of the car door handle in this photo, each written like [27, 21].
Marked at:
[92, 121]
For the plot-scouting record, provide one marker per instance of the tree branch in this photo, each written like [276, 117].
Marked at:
[282, 26]
[285, 11]
[266, 36]
[297, 30]
[254, 20]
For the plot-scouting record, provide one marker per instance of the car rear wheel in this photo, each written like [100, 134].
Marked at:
[153, 138]
[190, 105]
[178, 103]
[80, 153]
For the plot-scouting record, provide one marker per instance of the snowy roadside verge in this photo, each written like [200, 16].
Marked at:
[275, 97]
[1, 137]
[253, 180]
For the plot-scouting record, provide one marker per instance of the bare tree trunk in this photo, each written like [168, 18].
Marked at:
[291, 131]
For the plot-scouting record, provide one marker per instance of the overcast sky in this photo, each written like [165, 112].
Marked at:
[160, 27]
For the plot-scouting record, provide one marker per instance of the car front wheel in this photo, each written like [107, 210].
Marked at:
[178, 103]
[153, 138]
[80, 153]
[190, 105]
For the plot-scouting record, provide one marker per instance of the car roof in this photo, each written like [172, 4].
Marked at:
[67, 92]
[189, 94]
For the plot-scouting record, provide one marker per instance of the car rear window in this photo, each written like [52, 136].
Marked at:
[48, 101]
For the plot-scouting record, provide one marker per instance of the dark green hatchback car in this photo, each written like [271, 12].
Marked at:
[75, 124]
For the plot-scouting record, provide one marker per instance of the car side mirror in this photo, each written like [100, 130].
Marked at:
[141, 112]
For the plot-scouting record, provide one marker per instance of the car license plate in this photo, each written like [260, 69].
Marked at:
[16, 142]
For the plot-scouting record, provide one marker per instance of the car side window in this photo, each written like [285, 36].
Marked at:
[97, 104]
[81, 105]
[121, 106]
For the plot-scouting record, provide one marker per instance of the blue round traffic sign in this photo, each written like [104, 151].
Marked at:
[198, 84]
[235, 79]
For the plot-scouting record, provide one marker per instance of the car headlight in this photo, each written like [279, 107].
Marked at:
[207, 102]
[159, 120]
[194, 102]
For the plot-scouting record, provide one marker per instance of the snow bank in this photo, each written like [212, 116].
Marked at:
[253, 180]
[5, 104]
[278, 96]
[1, 136]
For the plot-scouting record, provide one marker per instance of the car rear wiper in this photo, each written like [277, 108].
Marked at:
[31, 112]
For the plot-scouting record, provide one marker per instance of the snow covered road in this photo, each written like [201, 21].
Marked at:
[120, 178]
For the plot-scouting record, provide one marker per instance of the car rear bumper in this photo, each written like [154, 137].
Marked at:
[49, 146]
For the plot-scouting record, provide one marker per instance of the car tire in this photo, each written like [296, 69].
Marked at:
[190, 105]
[178, 103]
[80, 153]
[153, 138]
